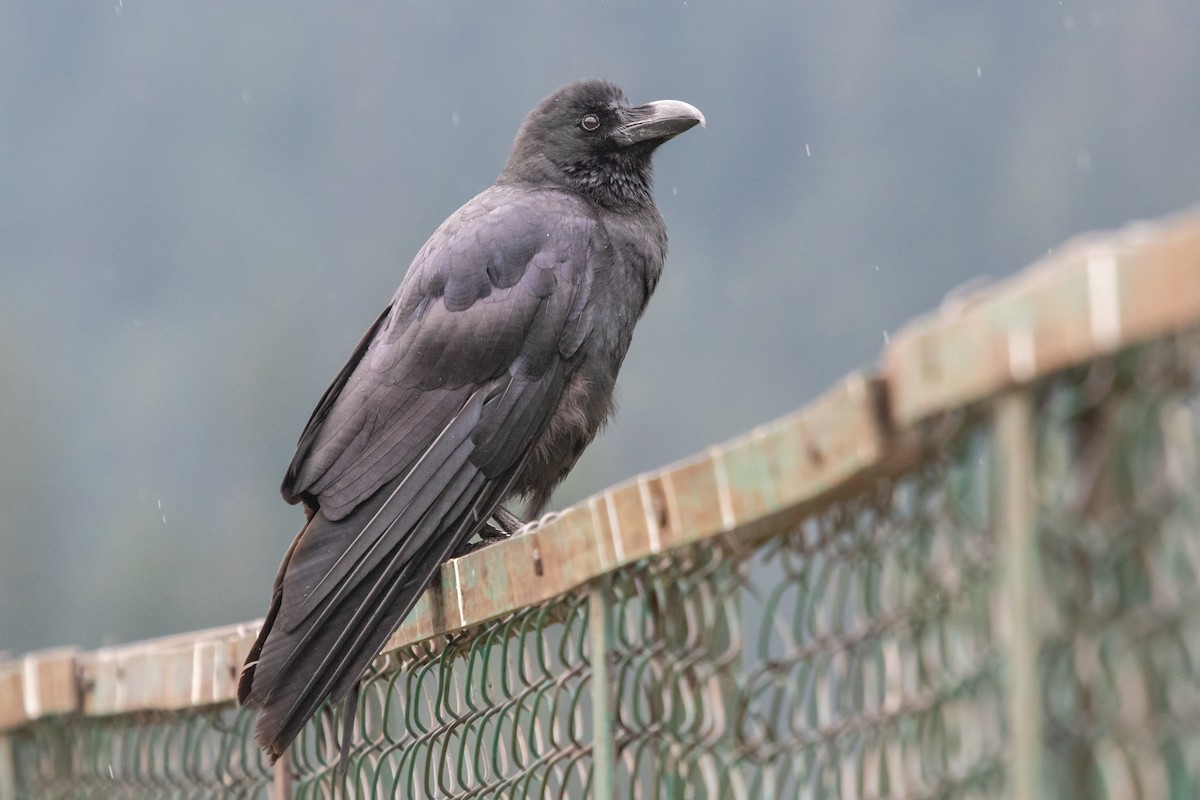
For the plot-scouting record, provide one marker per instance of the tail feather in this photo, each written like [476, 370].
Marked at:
[328, 558]
[347, 583]
[372, 619]
[326, 655]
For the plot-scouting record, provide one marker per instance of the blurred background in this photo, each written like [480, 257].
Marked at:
[203, 206]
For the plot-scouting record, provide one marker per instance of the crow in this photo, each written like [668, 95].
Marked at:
[481, 383]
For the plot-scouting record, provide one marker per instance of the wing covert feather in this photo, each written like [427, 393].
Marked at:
[425, 358]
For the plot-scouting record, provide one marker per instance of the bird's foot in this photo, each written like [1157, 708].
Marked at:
[533, 525]
[507, 523]
[466, 548]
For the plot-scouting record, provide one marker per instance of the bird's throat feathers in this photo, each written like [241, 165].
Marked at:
[623, 183]
[620, 181]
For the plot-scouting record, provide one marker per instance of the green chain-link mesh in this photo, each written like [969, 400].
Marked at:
[1119, 542]
[858, 654]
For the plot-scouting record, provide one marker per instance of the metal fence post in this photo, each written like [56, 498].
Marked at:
[281, 777]
[1017, 531]
[600, 640]
[8, 779]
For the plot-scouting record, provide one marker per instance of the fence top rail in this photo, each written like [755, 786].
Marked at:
[1096, 294]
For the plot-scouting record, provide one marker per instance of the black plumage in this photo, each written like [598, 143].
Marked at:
[482, 381]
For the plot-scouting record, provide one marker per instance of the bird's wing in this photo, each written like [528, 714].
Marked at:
[419, 438]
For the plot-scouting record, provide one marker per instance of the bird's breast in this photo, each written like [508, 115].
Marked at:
[582, 408]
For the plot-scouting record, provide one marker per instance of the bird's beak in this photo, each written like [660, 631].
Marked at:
[657, 122]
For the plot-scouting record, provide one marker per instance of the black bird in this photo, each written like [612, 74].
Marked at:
[482, 381]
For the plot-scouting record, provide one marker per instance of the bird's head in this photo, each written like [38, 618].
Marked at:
[587, 138]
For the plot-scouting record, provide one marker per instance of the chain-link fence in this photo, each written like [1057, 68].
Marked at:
[958, 579]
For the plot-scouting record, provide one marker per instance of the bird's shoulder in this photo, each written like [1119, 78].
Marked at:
[491, 243]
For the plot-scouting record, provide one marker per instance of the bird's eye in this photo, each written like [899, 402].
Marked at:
[590, 122]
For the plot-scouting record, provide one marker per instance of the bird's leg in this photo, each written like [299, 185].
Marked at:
[533, 525]
[515, 526]
[509, 522]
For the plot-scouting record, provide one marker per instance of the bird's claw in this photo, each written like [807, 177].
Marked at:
[466, 548]
[490, 533]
